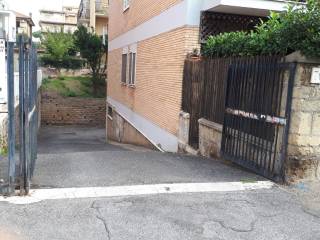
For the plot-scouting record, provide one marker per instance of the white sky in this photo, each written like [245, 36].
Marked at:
[33, 6]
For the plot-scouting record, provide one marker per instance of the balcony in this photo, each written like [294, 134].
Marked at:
[247, 7]
[84, 12]
[102, 8]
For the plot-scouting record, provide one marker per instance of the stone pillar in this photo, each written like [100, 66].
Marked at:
[183, 133]
[303, 158]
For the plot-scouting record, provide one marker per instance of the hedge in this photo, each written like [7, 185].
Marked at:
[67, 62]
[297, 29]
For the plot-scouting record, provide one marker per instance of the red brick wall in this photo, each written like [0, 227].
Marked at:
[57, 110]
[158, 87]
[139, 12]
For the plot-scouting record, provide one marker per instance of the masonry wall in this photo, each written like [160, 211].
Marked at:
[304, 139]
[210, 137]
[139, 11]
[119, 130]
[156, 95]
[57, 110]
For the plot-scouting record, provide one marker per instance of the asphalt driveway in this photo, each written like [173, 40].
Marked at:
[78, 159]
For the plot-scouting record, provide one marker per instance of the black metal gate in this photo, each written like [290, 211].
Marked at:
[20, 173]
[28, 112]
[257, 114]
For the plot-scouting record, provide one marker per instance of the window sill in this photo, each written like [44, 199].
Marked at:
[126, 9]
[124, 84]
[131, 86]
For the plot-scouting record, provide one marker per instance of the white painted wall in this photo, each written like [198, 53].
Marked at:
[156, 135]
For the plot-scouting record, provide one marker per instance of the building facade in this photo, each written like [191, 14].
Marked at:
[24, 24]
[94, 14]
[56, 21]
[148, 44]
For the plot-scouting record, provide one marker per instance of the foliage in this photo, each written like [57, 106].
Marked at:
[60, 51]
[37, 34]
[72, 87]
[93, 50]
[297, 29]
[59, 45]
[3, 151]
[67, 62]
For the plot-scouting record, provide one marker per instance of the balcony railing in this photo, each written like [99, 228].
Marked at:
[102, 7]
[84, 10]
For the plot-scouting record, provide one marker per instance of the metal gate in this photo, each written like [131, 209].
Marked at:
[19, 173]
[28, 112]
[257, 114]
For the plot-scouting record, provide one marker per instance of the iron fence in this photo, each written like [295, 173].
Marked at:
[19, 173]
[257, 114]
[203, 94]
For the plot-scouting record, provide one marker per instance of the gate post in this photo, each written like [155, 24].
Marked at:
[22, 116]
[11, 118]
[303, 158]
[26, 122]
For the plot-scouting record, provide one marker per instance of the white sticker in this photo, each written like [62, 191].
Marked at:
[315, 77]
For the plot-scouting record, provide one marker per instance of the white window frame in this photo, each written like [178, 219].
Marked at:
[132, 74]
[130, 78]
[124, 52]
[126, 4]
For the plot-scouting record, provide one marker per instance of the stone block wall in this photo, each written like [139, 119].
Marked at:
[53, 72]
[303, 161]
[57, 110]
[210, 136]
[183, 133]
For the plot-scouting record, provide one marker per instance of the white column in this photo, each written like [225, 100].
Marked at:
[3, 74]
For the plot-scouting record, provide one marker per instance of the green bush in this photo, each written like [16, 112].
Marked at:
[67, 62]
[297, 29]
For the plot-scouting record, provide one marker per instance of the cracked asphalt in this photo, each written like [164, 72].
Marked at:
[65, 160]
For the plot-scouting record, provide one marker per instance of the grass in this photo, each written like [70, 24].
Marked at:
[3, 151]
[72, 87]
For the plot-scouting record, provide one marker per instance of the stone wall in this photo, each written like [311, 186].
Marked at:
[183, 133]
[303, 161]
[53, 72]
[210, 136]
[58, 110]
[303, 149]
[119, 130]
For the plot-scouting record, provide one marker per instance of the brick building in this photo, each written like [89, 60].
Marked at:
[148, 43]
[94, 14]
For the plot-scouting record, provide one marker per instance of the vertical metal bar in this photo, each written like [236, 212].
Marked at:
[21, 114]
[284, 147]
[11, 119]
[26, 123]
[225, 131]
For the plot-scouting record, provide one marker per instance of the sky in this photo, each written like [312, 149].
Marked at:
[33, 6]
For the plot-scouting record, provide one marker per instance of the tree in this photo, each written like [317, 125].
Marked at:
[93, 50]
[37, 34]
[59, 45]
[60, 51]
